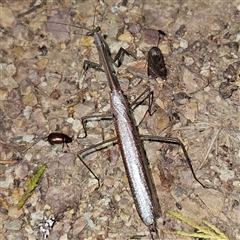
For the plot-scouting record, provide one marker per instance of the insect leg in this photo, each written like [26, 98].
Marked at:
[88, 64]
[81, 155]
[150, 100]
[86, 118]
[177, 142]
[120, 55]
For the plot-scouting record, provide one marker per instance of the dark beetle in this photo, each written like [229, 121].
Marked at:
[178, 206]
[58, 138]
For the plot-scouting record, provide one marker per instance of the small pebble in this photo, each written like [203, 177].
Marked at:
[22, 170]
[183, 43]
[7, 17]
[13, 225]
[126, 37]
[134, 28]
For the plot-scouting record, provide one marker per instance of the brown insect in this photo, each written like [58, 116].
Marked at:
[156, 64]
[58, 138]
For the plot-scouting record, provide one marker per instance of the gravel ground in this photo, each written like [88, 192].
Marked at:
[44, 89]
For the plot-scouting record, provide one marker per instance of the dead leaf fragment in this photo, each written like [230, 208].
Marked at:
[192, 80]
[42, 63]
[191, 109]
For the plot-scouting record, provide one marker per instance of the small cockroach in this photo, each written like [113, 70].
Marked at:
[156, 64]
[58, 138]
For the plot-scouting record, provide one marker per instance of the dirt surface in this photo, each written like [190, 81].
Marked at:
[45, 89]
